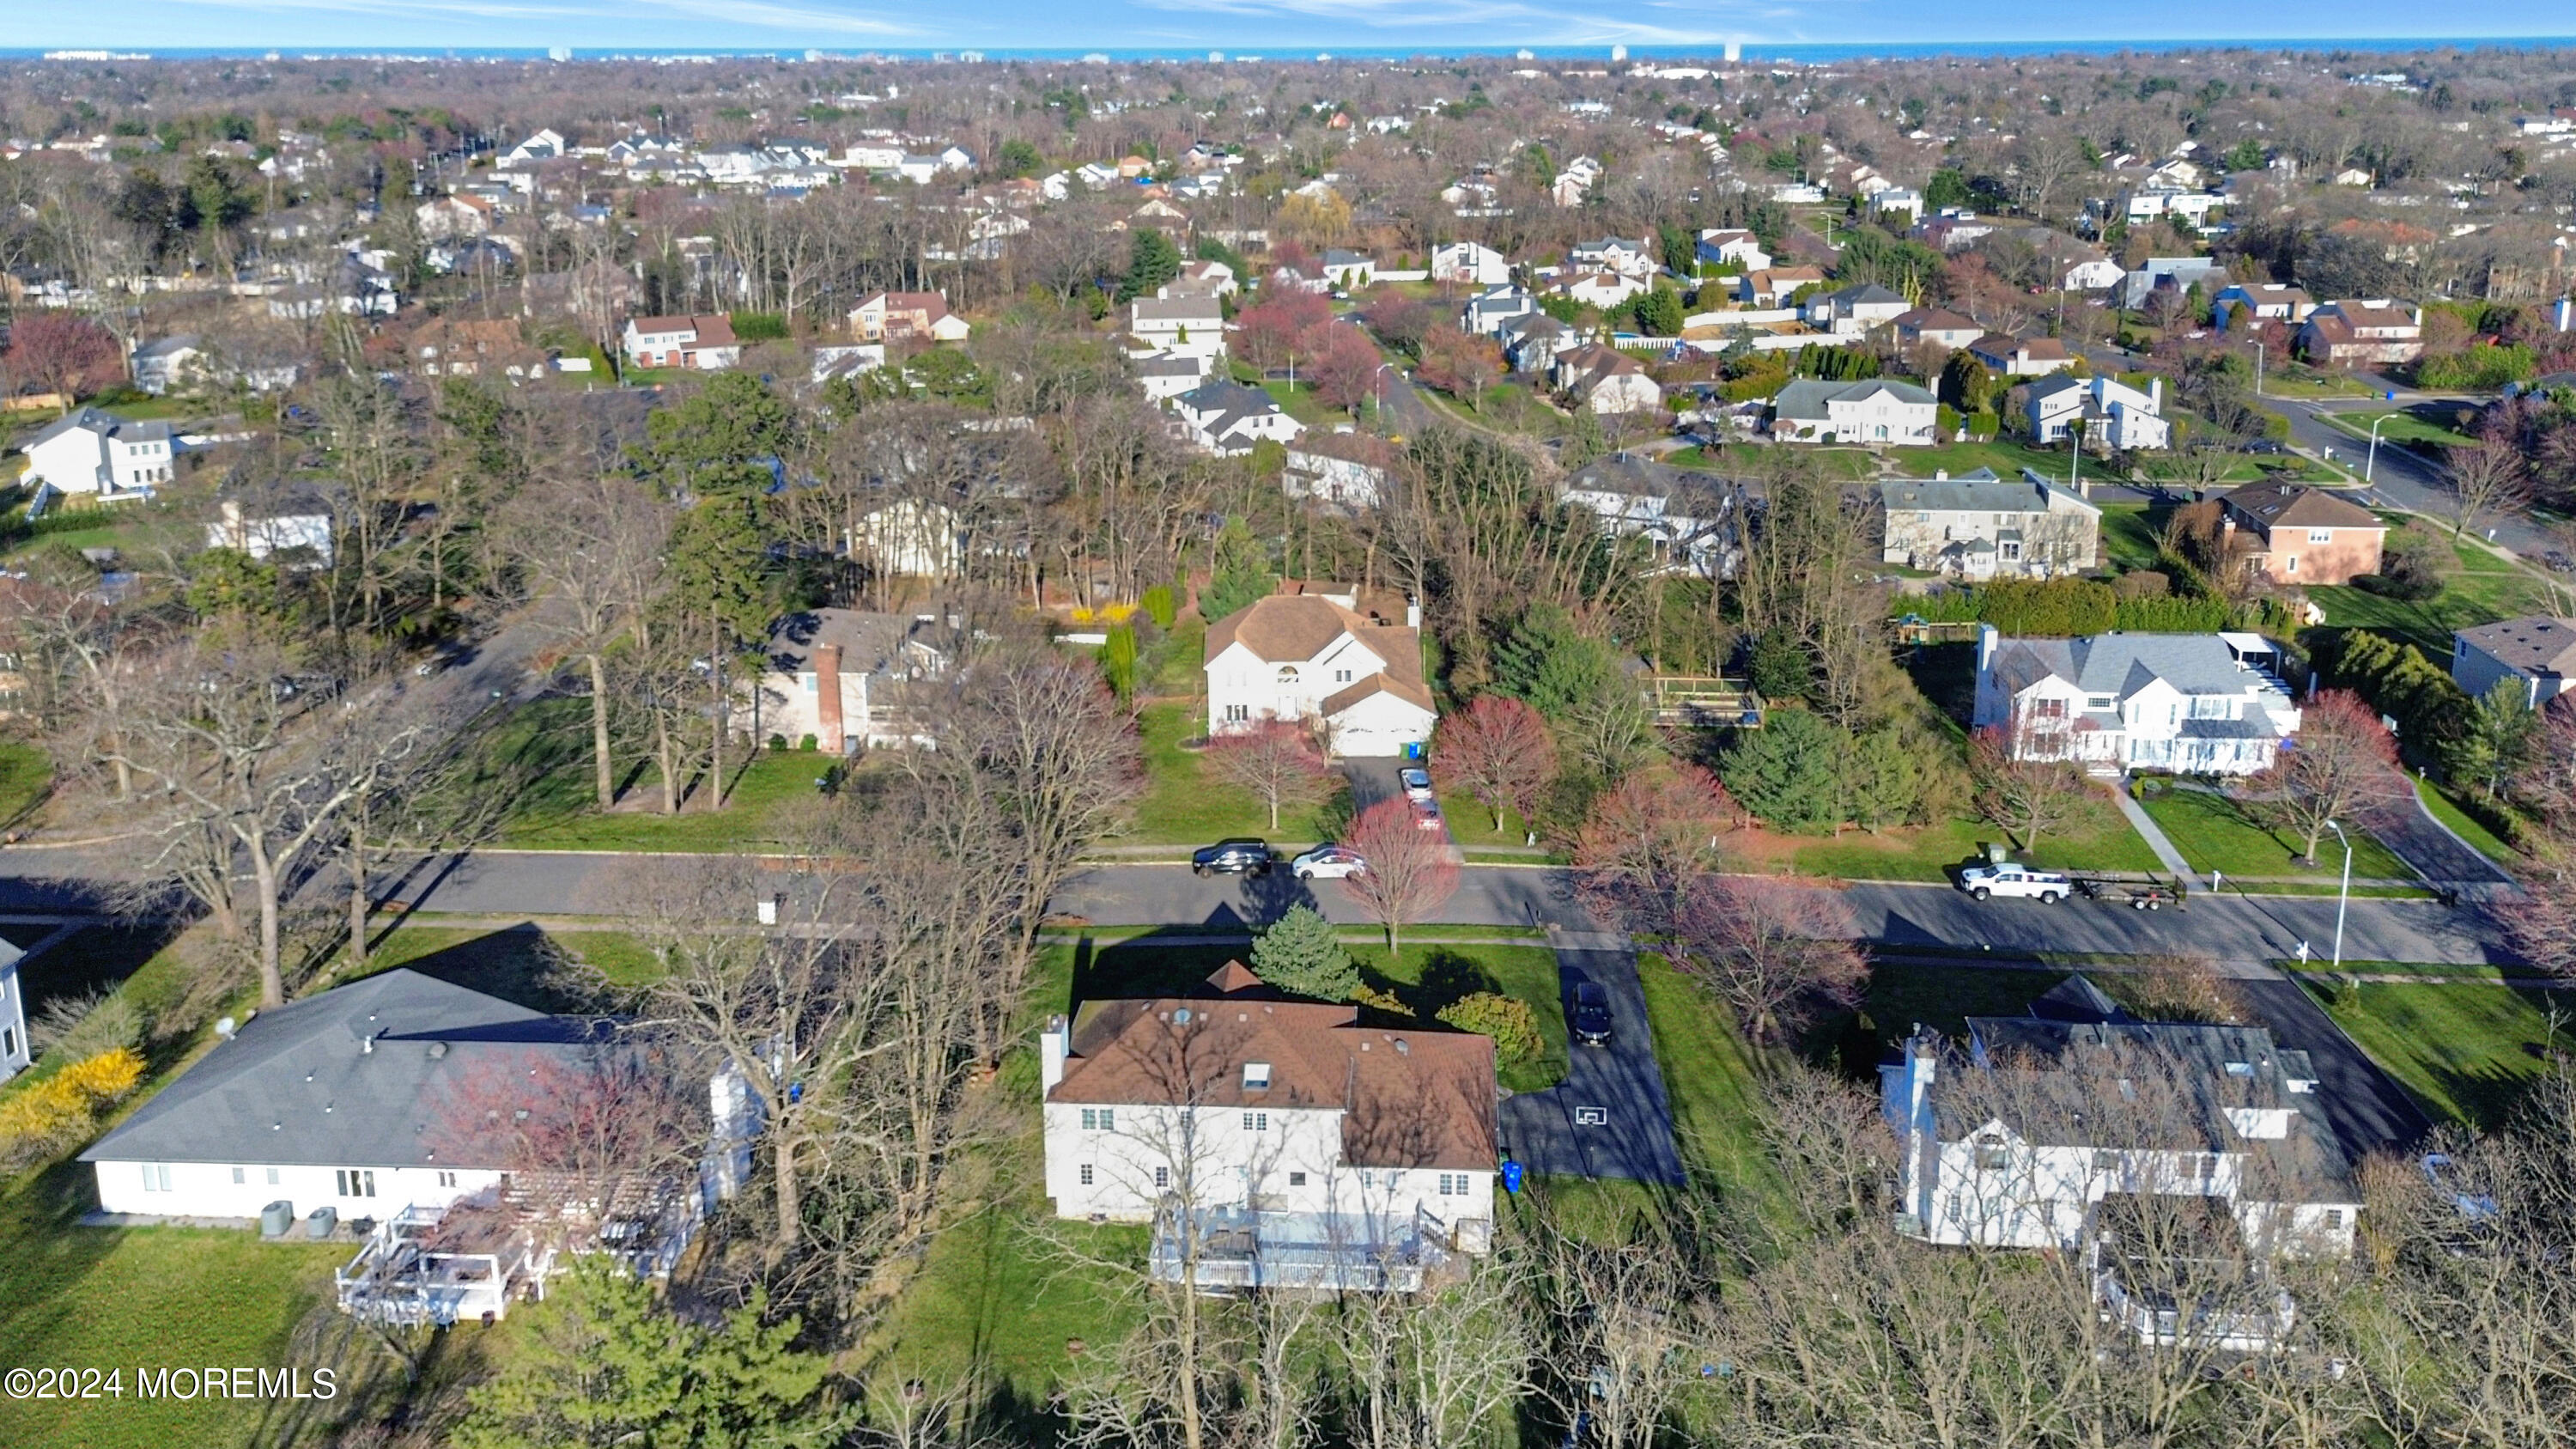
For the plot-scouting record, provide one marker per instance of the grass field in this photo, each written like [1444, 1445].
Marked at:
[2099, 838]
[2128, 536]
[2006, 459]
[2471, 598]
[1185, 804]
[26, 774]
[2215, 833]
[2438, 800]
[2465, 1050]
[539, 761]
[1710, 1075]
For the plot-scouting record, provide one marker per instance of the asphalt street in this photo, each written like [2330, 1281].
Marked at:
[1609, 1117]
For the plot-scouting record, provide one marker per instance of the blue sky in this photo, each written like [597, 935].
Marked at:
[1280, 26]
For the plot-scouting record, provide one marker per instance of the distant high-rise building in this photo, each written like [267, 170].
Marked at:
[1734, 51]
[558, 53]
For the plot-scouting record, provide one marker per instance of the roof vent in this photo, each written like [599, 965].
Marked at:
[1181, 1017]
[437, 1049]
[1403, 1047]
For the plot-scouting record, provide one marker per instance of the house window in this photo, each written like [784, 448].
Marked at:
[2320, 535]
[2105, 1160]
[1256, 1121]
[2334, 1219]
[1238, 713]
[1085, 1173]
[239, 1176]
[1099, 1119]
[447, 1179]
[1341, 676]
[1453, 1184]
[1992, 1156]
[1162, 1177]
[272, 1177]
[8, 1042]
[156, 1177]
[1256, 1075]
[356, 1181]
[1296, 1179]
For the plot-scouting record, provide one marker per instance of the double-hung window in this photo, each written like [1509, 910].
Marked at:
[156, 1177]
[356, 1181]
[1099, 1119]
[1256, 1121]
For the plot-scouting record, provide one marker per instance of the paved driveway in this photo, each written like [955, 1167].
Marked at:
[2368, 1109]
[1609, 1117]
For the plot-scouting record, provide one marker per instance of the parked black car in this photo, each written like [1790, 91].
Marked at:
[1233, 857]
[1588, 1013]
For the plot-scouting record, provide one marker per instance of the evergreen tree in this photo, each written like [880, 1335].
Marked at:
[1787, 772]
[1301, 954]
[729, 436]
[1240, 576]
[1152, 260]
[1659, 312]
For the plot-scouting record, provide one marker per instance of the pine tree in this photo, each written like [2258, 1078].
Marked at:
[1302, 954]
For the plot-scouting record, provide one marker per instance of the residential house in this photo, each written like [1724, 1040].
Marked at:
[2262, 301]
[1228, 418]
[1271, 1142]
[1876, 411]
[1605, 380]
[1186, 326]
[1202, 279]
[1487, 311]
[1935, 325]
[1604, 290]
[16, 1052]
[843, 677]
[1732, 247]
[464, 346]
[2370, 333]
[1771, 286]
[1532, 343]
[2203, 704]
[1347, 469]
[545, 145]
[1691, 518]
[2178, 274]
[912, 538]
[88, 451]
[1898, 201]
[2068, 1128]
[367, 1099]
[1312, 657]
[447, 217]
[1852, 311]
[297, 522]
[1632, 257]
[1575, 181]
[2538, 652]
[1470, 262]
[845, 360]
[2303, 534]
[2008, 356]
[907, 317]
[1166, 375]
[1980, 526]
[2116, 417]
[1349, 270]
[1953, 228]
[169, 364]
[696, 343]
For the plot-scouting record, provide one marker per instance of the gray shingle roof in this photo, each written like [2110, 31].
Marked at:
[1807, 397]
[1978, 492]
[2121, 664]
[298, 1085]
[108, 424]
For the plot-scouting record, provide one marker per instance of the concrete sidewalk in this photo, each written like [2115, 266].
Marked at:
[2153, 833]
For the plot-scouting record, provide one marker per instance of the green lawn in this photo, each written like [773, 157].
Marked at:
[2006, 459]
[2099, 838]
[538, 762]
[2128, 536]
[2215, 833]
[2425, 427]
[1184, 803]
[1472, 825]
[2464, 1049]
[2481, 595]
[26, 775]
[519, 963]
[1710, 1076]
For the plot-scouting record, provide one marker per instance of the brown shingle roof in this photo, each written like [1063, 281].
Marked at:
[2298, 505]
[1409, 1098]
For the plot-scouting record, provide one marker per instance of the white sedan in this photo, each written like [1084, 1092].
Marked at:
[1328, 862]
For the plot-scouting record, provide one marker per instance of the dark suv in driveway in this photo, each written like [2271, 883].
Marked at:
[1232, 857]
[1587, 1013]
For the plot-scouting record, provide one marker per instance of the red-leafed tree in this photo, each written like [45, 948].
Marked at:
[1779, 954]
[1267, 331]
[2027, 781]
[1275, 759]
[1400, 321]
[1499, 748]
[2342, 766]
[1646, 840]
[1344, 365]
[1459, 364]
[63, 353]
[1411, 871]
[572, 1122]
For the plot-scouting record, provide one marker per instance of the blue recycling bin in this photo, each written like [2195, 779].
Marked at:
[1413, 749]
[1512, 1176]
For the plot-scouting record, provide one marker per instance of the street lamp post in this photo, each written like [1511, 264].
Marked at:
[2343, 897]
[2372, 462]
[2258, 372]
[1382, 369]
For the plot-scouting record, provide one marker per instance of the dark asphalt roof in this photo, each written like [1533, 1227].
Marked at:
[356, 1076]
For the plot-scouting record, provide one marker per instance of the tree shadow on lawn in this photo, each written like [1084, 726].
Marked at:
[519, 964]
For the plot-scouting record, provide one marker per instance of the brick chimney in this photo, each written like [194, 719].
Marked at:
[828, 730]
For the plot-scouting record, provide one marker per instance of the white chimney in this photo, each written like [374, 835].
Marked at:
[1055, 1043]
[1986, 637]
[2156, 394]
[1412, 613]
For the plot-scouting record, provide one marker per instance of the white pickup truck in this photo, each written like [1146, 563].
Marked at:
[2008, 879]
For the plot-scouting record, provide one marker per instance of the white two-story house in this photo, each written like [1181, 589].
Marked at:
[1312, 657]
[1189, 326]
[1877, 411]
[1271, 1142]
[2067, 1127]
[2116, 416]
[88, 451]
[1229, 418]
[2190, 703]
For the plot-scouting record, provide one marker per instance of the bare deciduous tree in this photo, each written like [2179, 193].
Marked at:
[1274, 759]
[1411, 871]
[1777, 954]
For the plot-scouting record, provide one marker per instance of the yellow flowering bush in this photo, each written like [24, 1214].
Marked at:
[49, 1114]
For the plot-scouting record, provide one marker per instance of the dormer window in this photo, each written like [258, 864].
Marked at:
[1256, 1076]
[1992, 1155]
